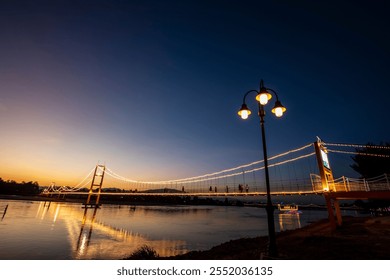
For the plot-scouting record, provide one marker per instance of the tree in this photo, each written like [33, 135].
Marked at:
[11, 187]
[372, 160]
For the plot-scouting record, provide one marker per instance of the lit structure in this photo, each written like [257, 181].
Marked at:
[326, 173]
[97, 181]
[263, 96]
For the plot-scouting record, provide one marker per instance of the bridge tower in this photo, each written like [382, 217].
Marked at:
[97, 181]
[327, 182]
[326, 173]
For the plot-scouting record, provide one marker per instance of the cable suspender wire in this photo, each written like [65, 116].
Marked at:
[357, 153]
[235, 168]
[194, 179]
[86, 177]
[227, 173]
[218, 177]
[357, 146]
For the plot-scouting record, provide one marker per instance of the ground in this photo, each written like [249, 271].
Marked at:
[363, 238]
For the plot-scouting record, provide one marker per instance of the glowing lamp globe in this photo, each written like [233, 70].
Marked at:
[244, 112]
[278, 109]
[263, 96]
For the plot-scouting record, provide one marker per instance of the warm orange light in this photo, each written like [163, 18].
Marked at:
[278, 109]
[263, 96]
[244, 112]
[278, 112]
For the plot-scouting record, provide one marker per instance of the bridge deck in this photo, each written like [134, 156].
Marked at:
[209, 194]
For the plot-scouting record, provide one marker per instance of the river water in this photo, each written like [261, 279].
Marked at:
[32, 230]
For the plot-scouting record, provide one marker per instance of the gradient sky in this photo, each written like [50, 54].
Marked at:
[152, 88]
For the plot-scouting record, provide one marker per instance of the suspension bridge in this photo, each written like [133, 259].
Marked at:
[297, 171]
[246, 179]
[301, 171]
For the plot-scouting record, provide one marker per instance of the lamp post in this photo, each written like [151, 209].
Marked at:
[263, 96]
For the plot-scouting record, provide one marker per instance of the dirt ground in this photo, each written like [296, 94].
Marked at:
[365, 238]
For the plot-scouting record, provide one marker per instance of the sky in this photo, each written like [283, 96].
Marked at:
[152, 88]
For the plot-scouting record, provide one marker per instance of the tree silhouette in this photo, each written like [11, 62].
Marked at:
[372, 161]
[14, 188]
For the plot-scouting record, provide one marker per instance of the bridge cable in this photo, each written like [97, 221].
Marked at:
[357, 153]
[357, 146]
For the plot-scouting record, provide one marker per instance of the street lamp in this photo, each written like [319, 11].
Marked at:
[263, 96]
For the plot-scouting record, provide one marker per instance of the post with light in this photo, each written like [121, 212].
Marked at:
[262, 97]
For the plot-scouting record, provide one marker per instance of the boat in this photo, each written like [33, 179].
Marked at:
[288, 209]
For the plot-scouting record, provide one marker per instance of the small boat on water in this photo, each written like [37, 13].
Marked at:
[288, 209]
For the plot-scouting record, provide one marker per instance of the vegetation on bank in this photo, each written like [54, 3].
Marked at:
[11, 187]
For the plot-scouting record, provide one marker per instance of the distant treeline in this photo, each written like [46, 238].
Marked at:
[13, 187]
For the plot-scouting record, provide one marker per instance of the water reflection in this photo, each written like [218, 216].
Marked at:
[91, 238]
[289, 221]
[84, 239]
[175, 210]
[43, 207]
[44, 230]
[3, 210]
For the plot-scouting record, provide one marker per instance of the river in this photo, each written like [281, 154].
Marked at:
[35, 230]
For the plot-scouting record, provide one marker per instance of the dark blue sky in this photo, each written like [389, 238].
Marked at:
[152, 88]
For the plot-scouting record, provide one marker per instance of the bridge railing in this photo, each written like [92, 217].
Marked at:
[346, 184]
[316, 183]
[277, 187]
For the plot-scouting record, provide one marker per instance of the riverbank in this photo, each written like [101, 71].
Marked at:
[359, 238]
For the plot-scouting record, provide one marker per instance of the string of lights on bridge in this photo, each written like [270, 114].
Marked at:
[230, 172]
[212, 176]
[357, 147]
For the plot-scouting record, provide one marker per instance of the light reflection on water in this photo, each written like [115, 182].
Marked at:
[43, 230]
[289, 221]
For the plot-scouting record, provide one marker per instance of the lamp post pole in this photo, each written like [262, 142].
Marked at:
[262, 97]
[272, 248]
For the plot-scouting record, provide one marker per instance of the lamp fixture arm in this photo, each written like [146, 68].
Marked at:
[270, 89]
[246, 94]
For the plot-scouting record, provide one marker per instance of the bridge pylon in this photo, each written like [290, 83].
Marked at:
[326, 173]
[97, 181]
[328, 185]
